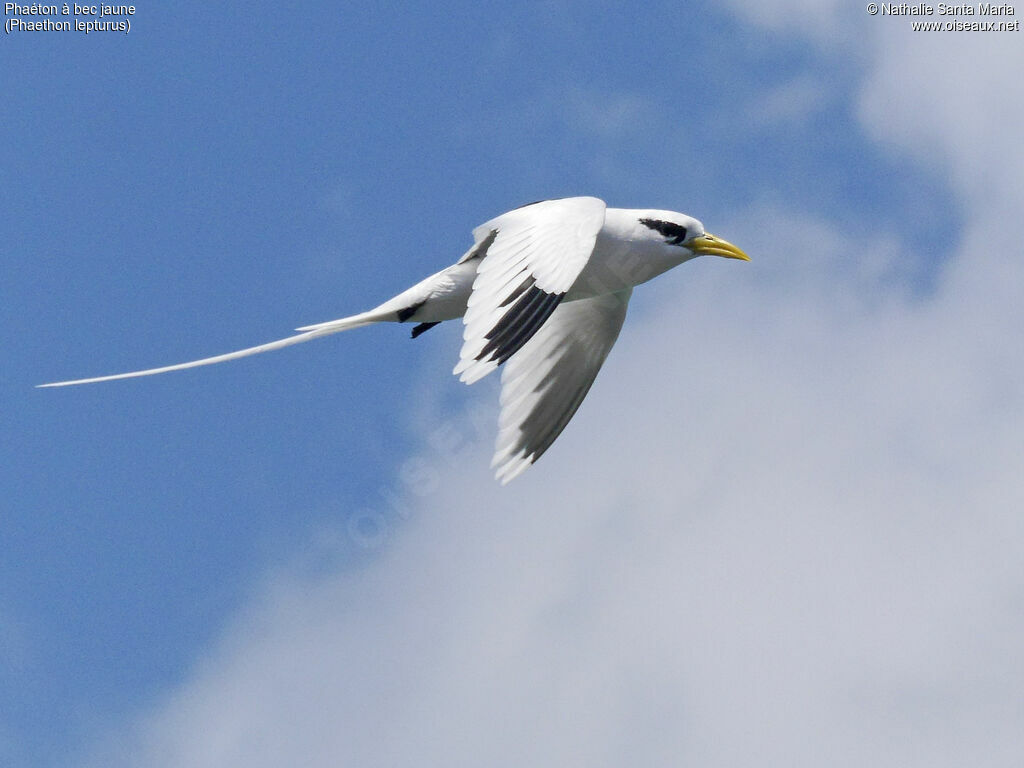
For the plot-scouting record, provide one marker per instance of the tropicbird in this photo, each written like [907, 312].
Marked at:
[543, 290]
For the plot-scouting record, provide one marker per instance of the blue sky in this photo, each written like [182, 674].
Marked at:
[216, 178]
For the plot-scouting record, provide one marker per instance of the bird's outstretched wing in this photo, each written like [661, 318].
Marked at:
[545, 382]
[531, 258]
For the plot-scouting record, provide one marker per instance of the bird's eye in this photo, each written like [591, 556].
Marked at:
[675, 234]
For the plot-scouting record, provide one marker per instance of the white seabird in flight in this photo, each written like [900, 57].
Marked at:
[543, 291]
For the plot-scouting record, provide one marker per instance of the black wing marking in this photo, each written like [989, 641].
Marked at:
[423, 327]
[516, 326]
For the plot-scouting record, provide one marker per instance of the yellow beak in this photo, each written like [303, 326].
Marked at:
[709, 245]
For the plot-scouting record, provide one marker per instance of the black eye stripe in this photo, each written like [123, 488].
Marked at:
[675, 233]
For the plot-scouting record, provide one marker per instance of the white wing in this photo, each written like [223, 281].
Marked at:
[545, 382]
[531, 257]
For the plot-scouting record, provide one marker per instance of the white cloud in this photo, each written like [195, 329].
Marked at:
[611, 115]
[952, 100]
[783, 530]
[793, 102]
[836, 26]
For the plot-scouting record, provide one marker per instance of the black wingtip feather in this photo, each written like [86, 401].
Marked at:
[423, 327]
[519, 323]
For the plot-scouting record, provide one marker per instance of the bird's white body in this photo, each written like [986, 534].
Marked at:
[625, 255]
[543, 290]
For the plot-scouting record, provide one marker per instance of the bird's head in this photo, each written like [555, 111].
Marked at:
[679, 231]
